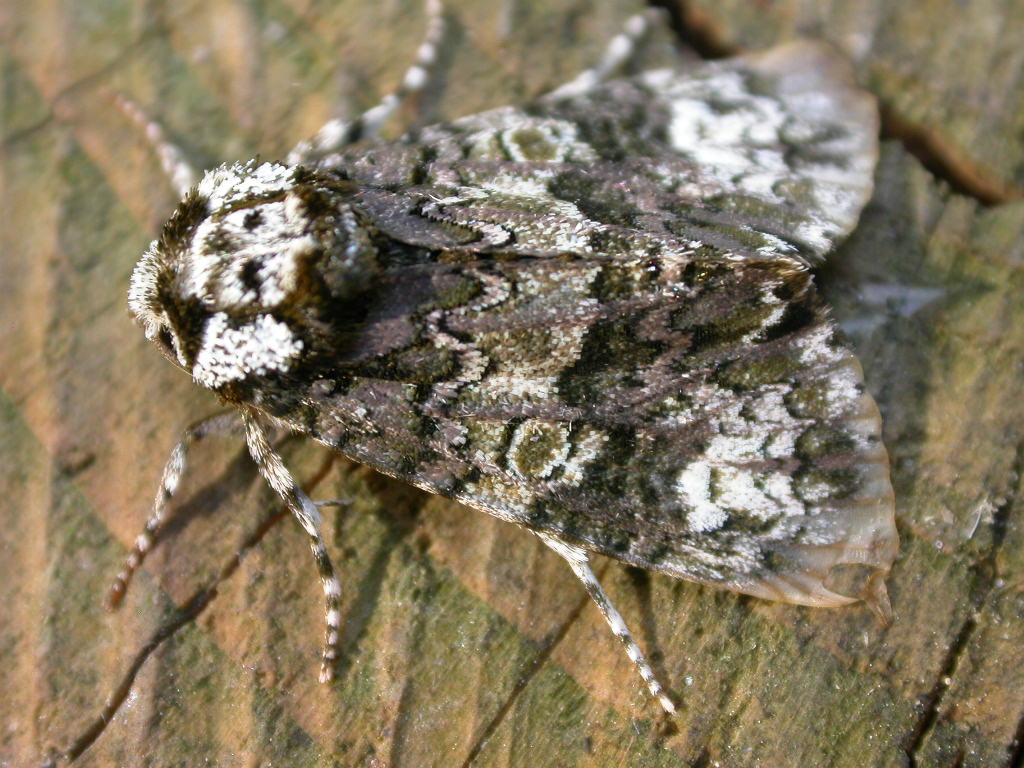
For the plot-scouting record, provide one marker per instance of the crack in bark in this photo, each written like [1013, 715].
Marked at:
[1001, 521]
[930, 716]
[527, 676]
[695, 29]
[933, 150]
[986, 573]
[1015, 749]
[945, 161]
[191, 610]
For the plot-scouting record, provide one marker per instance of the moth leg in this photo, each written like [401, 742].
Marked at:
[580, 564]
[336, 133]
[280, 479]
[221, 423]
[617, 53]
[332, 503]
[179, 173]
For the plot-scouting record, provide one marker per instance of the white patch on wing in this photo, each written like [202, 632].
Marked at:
[736, 473]
[587, 446]
[743, 142]
[694, 488]
[711, 491]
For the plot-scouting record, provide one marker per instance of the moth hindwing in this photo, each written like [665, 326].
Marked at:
[593, 317]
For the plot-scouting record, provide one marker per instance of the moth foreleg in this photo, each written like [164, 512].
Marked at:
[617, 53]
[335, 134]
[221, 423]
[580, 564]
[179, 172]
[280, 479]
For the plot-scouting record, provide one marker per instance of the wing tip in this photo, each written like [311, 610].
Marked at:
[805, 66]
[834, 575]
[818, 82]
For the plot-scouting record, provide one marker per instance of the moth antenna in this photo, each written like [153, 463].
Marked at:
[617, 54]
[336, 133]
[220, 423]
[580, 564]
[177, 169]
[281, 481]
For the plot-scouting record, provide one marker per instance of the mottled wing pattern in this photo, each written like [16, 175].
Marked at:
[593, 317]
[772, 152]
[683, 414]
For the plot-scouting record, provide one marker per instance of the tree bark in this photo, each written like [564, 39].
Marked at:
[465, 641]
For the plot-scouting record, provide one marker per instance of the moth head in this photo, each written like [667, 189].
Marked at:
[229, 288]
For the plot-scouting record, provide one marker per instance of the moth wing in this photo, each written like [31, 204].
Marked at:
[772, 153]
[781, 137]
[594, 319]
[699, 419]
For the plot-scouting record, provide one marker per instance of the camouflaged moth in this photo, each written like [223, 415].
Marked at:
[592, 316]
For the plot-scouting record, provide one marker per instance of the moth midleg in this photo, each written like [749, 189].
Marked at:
[281, 481]
[172, 160]
[335, 134]
[580, 564]
[617, 54]
[221, 423]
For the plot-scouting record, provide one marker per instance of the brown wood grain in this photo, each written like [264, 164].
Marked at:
[466, 642]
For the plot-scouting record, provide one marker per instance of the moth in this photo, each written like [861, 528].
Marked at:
[592, 316]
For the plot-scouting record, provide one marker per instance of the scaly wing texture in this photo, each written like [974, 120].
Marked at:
[593, 317]
[772, 152]
[688, 415]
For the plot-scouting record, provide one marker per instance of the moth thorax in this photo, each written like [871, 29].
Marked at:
[264, 250]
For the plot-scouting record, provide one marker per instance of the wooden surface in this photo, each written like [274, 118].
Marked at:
[466, 643]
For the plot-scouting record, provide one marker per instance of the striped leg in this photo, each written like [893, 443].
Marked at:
[221, 423]
[280, 479]
[580, 564]
[336, 133]
[181, 175]
[617, 53]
